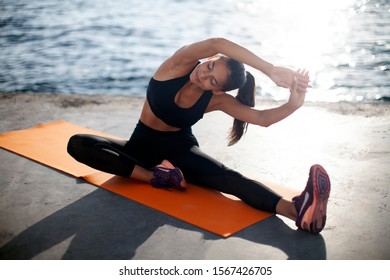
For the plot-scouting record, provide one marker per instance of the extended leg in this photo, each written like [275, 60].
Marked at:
[201, 169]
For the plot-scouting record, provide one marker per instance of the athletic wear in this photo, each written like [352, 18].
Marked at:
[167, 176]
[161, 98]
[312, 203]
[148, 148]
[105, 154]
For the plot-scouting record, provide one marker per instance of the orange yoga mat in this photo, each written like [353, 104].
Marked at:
[208, 209]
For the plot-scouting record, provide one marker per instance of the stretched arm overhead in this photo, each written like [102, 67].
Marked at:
[214, 46]
[184, 59]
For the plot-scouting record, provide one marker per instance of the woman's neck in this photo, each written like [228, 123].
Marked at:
[188, 95]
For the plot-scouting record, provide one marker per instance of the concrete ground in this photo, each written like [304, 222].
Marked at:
[45, 214]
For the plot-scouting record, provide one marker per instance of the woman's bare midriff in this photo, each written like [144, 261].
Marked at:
[151, 120]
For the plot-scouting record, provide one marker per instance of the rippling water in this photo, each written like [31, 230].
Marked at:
[113, 47]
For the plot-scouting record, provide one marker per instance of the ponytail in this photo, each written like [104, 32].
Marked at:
[246, 96]
[245, 82]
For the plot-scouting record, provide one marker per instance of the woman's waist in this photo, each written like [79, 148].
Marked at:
[146, 134]
[149, 119]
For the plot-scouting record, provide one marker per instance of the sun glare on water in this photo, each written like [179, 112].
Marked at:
[304, 34]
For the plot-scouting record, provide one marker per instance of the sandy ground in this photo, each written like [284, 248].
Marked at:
[45, 214]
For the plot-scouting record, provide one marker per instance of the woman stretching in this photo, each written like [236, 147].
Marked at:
[162, 147]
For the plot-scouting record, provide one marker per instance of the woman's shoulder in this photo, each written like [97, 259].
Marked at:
[219, 102]
[171, 69]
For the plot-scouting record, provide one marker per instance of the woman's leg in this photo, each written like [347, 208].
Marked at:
[308, 210]
[142, 174]
[112, 156]
[287, 209]
[104, 154]
[201, 169]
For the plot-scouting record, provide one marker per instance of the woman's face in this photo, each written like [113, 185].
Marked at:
[211, 74]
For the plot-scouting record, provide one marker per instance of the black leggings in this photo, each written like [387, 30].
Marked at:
[148, 147]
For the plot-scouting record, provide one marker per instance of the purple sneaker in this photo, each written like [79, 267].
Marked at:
[311, 204]
[168, 176]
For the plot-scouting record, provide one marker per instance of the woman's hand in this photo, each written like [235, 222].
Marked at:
[284, 77]
[299, 88]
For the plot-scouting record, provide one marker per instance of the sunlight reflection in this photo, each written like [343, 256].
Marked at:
[305, 34]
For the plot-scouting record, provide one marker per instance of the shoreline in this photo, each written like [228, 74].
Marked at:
[366, 108]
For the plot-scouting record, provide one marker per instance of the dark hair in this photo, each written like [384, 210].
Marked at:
[245, 82]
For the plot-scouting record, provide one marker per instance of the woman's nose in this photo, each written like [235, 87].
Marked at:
[203, 75]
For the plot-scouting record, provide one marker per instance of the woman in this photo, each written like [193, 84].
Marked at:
[162, 147]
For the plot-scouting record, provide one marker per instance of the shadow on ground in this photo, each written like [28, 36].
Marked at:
[103, 225]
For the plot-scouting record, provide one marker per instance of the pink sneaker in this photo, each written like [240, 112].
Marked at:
[311, 204]
[168, 176]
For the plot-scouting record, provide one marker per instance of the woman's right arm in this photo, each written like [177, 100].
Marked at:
[210, 47]
[184, 59]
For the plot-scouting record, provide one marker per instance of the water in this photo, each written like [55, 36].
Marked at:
[113, 47]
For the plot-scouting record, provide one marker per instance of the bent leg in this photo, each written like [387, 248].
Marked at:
[113, 156]
[105, 154]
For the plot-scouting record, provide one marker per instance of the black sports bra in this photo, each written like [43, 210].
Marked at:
[161, 98]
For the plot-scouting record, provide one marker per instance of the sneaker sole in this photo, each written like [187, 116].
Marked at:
[315, 217]
[181, 183]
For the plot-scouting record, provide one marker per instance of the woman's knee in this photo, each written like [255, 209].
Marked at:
[75, 145]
